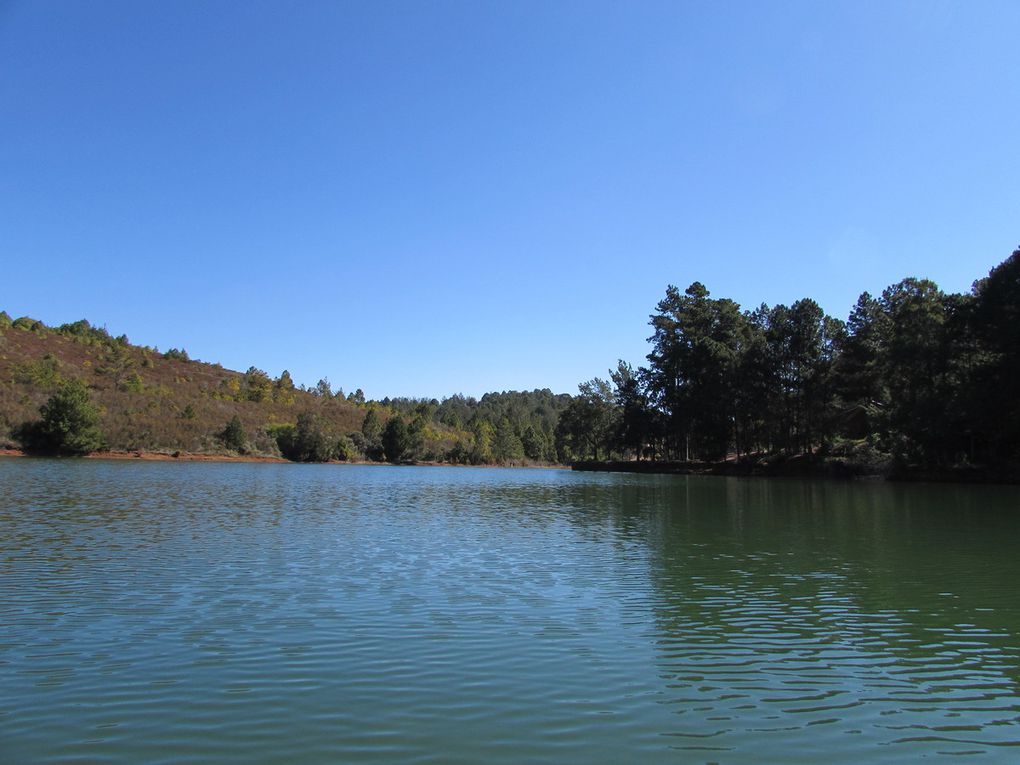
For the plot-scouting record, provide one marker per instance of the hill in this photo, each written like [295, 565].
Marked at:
[149, 400]
[165, 402]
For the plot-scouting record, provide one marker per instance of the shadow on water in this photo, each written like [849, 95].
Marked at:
[867, 613]
[250, 613]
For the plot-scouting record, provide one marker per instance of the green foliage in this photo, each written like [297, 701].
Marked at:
[536, 444]
[913, 365]
[176, 415]
[177, 354]
[362, 448]
[69, 424]
[370, 444]
[82, 331]
[233, 435]
[283, 389]
[307, 441]
[258, 386]
[483, 451]
[44, 373]
[28, 324]
[459, 453]
[587, 425]
[634, 420]
[345, 450]
[402, 441]
[531, 418]
[508, 446]
[696, 348]
[917, 376]
[994, 368]
[132, 383]
[396, 440]
[858, 370]
[417, 430]
[231, 387]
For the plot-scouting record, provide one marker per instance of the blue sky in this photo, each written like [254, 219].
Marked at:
[429, 198]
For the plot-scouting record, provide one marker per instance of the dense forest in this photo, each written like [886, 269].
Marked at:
[914, 379]
[76, 389]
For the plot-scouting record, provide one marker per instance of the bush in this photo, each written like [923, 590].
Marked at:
[369, 450]
[306, 441]
[69, 424]
[345, 449]
[44, 373]
[28, 324]
[177, 353]
[233, 435]
[396, 440]
[132, 383]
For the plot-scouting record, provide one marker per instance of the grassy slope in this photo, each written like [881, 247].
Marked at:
[145, 397]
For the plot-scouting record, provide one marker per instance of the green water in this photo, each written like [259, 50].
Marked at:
[318, 614]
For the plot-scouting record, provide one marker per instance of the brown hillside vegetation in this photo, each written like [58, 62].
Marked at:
[150, 400]
[75, 389]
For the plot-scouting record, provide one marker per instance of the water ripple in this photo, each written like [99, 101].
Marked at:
[269, 613]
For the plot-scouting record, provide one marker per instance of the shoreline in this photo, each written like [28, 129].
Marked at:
[802, 467]
[148, 456]
[792, 468]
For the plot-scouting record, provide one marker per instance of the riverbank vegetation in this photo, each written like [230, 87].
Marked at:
[915, 382]
[75, 389]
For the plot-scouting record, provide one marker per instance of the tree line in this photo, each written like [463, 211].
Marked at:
[505, 428]
[914, 377]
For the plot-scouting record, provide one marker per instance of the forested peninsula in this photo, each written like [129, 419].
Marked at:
[915, 383]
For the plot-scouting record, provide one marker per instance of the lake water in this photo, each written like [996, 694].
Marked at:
[247, 613]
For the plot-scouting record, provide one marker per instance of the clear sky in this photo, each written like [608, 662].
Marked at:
[424, 198]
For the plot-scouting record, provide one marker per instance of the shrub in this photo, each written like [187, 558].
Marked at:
[306, 441]
[132, 383]
[28, 323]
[177, 353]
[396, 440]
[69, 424]
[345, 449]
[259, 386]
[44, 373]
[233, 435]
[364, 448]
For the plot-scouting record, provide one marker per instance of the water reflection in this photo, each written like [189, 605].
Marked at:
[261, 613]
[857, 616]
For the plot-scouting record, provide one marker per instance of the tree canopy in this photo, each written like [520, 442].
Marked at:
[916, 377]
[69, 424]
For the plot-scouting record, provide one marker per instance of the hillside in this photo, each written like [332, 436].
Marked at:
[150, 400]
[165, 402]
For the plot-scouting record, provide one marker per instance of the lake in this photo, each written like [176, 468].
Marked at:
[268, 613]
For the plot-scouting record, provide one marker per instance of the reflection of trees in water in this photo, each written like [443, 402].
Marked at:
[886, 610]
